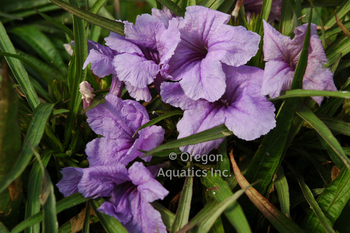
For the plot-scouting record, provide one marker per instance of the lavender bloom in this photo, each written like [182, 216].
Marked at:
[241, 108]
[254, 6]
[130, 201]
[117, 120]
[131, 192]
[144, 52]
[207, 43]
[282, 56]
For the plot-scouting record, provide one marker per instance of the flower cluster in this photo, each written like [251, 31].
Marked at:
[196, 63]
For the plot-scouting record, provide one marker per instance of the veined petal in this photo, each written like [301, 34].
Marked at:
[135, 69]
[276, 46]
[138, 93]
[205, 116]
[278, 76]
[206, 80]
[173, 94]
[69, 182]
[119, 44]
[117, 118]
[231, 46]
[100, 181]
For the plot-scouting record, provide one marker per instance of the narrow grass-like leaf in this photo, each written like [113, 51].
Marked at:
[341, 12]
[207, 217]
[50, 223]
[80, 54]
[3, 228]
[57, 24]
[309, 93]
[17, 69]
[223, 163]
[34, 187]
[220, 190]
[307, 115]
[341, 25]
[207, 135]
[336, 125]
[332, 201]
[34, 38]
[184, 207]
[342, 47]
[95, 8]
[281, 222]
[172, 7]
[282, 189]
[312, 202]
[336, 29]
[10, 132]
[167, 216]
[66, 203]
[158, 119]
[59, 111]
[35, 132]
[108, 24]
[212, 4]
[109, 223]
[86, 226]
[289, 19]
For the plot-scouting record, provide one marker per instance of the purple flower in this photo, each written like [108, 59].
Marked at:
[130, 191]
[207, 43]
[254, 6]
[241, 108]
[144, 52]
[130, 201]
[117, 121]
[282, 56]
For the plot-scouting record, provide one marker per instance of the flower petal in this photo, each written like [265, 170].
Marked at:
[100, 181]
[69, 182]
[173, 94]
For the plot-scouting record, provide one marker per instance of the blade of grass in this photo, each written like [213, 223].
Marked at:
[17, 69]
[184, 207]
[35, 132]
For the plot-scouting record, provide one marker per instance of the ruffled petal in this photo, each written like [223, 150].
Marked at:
[173, 94]
[107, 152]
[231, 46]
[69, 182]
[138, 93]
[205, 116]
[100, 181]
[148, 139]
[119, 44]
[117, 118]
[206, 80]
[276, 46]
[278, 76]
[135, 69]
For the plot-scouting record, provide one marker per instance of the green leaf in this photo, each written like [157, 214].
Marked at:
[307, 115]
[332, 201]
[206, 218]
[341, 12]
[342, 48]
[34, 38]
[110, 224]
[35, 132]
[289, 20]
[309, 93]
[167, 216]
[86, 226]
[207, 135]
[80, 54]
[18, 70]
[223, 164]
[183, 210]
[219, 190]
[65, 203]
[34, 188]
[312, 202]
[212, 4]
[10, 133]
[108, 24]
[336, 125]
[57, 24]
[172, 7]
[50, 223]
[59, 111]
[282, 189]
[158, 119]
[3, 228]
